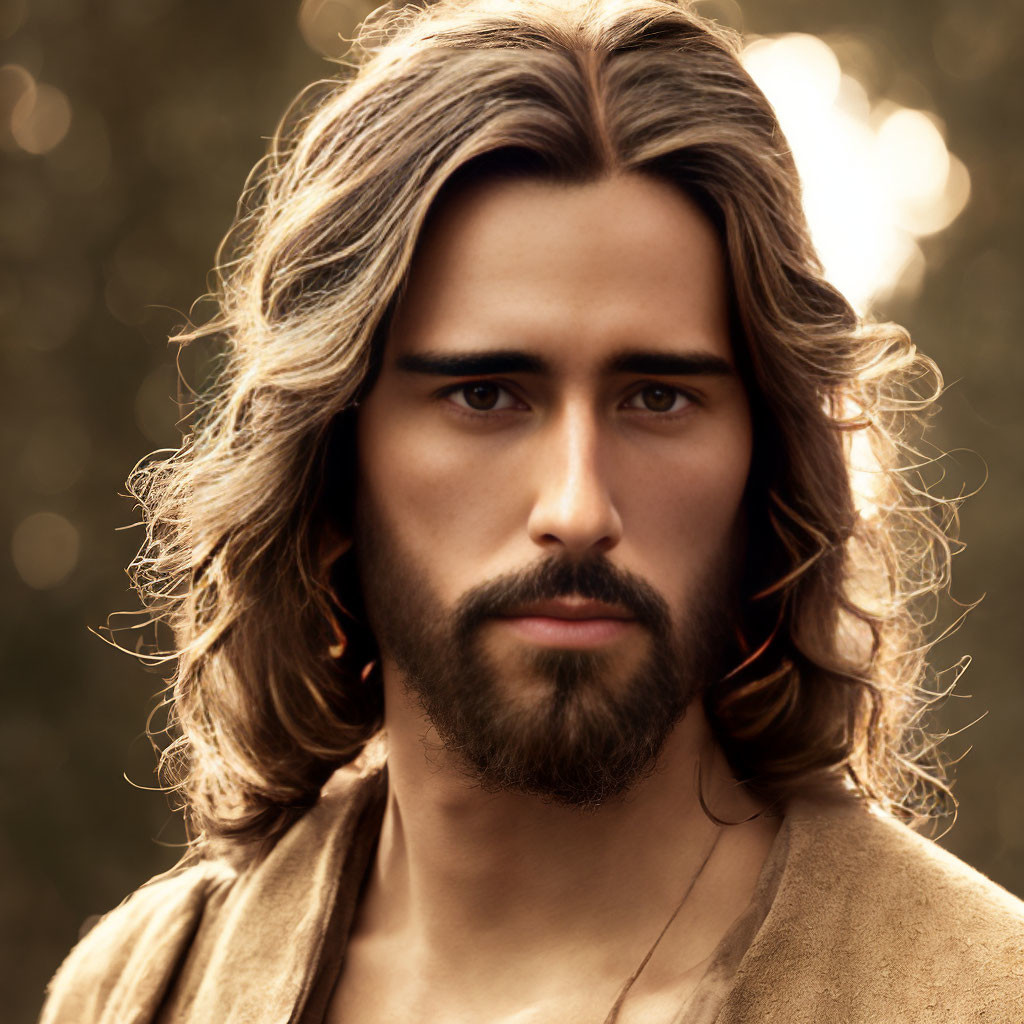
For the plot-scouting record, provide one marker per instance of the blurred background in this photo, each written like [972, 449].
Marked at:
[127, 128]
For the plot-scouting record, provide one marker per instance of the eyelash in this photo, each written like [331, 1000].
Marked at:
[465, 410]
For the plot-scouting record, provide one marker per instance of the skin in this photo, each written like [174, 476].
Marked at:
[502, 906]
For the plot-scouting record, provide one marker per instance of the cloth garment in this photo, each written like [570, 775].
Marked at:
[855, 920]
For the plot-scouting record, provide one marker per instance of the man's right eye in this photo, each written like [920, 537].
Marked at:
[481, 396]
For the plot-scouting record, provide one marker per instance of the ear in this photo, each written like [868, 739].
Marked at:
[333, 544]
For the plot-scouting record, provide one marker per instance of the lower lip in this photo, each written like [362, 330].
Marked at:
[543, 629]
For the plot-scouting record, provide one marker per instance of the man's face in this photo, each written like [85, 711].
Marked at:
[551, 468]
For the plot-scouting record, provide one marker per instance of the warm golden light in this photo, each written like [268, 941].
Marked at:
[40, 119]
[876, 176]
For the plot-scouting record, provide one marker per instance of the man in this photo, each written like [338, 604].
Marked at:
[525, 498]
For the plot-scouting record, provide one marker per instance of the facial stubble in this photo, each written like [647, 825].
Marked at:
[581, 734]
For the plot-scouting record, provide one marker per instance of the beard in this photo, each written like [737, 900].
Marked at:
[581, 728]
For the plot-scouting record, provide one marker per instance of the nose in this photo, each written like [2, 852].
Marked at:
[573, 512]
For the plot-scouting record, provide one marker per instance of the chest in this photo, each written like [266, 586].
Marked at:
[376, 990]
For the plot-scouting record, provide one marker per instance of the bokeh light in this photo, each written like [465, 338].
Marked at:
[40, 119]
[324, 23]
[876, 176]
[44, 548]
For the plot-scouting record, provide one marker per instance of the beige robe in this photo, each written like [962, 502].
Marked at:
[855, 920]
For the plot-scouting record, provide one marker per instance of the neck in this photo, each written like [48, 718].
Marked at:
[461, 869]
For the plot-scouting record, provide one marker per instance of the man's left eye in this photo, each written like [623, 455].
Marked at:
[659, 398]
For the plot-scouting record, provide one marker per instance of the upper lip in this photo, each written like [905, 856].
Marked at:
[571, 608]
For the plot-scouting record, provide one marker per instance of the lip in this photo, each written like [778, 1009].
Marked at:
[571, 609]
[578, 624]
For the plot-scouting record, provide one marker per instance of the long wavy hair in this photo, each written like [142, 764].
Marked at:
[851, 549]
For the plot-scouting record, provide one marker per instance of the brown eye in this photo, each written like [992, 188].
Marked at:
[659, 398]
[482, 396]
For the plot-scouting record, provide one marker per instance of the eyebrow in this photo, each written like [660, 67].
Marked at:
[681, 364]
[471, 364]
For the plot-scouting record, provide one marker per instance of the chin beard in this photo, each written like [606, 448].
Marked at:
[579, 746]
[585, 734]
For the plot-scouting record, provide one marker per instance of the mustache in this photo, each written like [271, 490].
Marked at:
[595, 579]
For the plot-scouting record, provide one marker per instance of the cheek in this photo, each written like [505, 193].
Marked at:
[683, 513]
[452, 501]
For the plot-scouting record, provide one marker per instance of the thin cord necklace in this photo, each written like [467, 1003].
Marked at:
[613, 1013]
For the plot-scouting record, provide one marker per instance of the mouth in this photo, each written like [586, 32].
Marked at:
[569, 623]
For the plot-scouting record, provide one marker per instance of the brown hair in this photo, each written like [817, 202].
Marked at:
[829, 692]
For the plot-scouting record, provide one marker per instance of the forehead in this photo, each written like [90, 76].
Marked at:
[572, 271]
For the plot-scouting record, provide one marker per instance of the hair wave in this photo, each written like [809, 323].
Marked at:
[830, 689]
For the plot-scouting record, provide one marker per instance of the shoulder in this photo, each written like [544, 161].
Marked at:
[882, 870]
[172, 935]
[872, 921]
[122, 961]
